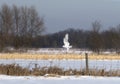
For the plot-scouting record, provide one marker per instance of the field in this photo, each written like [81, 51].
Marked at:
[64, 61]
[58, 56]
[107, 65]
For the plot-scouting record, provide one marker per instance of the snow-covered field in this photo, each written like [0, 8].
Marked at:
[56, 51]
[66, 64]
[58, 80]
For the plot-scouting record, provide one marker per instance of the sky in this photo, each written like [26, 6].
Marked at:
[79, 14]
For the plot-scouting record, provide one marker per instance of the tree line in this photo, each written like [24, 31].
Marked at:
[18, 25]
[94, 39]
[22, 27]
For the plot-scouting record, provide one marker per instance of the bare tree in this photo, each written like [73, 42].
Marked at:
[5, 24]
[96, 26]
[95, 40]
[19, 24]
[31, 24]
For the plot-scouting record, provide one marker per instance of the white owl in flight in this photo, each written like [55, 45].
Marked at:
[66, 43]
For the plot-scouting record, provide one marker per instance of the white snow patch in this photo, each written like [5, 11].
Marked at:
[58, 80]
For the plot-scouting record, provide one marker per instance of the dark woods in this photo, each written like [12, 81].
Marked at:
[95, 39]
[21, 27]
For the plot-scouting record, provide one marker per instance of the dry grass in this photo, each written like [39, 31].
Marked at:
[57, 56]
[13, 69]
[54, 71]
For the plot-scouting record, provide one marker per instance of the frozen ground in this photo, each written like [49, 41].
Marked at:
[63, 50]
[56, 51]
[66, 64]
[58, 80]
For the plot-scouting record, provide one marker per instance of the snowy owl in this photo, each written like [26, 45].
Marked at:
[66, 43]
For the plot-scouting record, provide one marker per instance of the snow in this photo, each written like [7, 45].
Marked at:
[66, 64]
[57, 51]
[58, 80]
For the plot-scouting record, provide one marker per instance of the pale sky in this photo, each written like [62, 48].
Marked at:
[79, 14]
